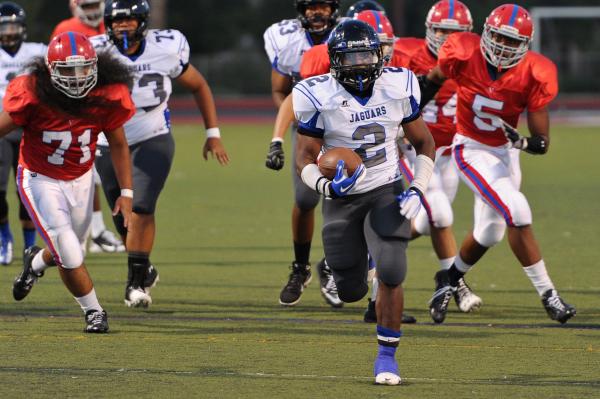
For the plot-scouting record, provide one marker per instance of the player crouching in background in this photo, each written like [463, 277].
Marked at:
[64, 102]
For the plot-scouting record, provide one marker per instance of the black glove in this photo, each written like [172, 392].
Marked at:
[428, 90]
[275, 157]
[534, 145]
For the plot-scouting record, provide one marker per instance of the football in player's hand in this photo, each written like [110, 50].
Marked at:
[328, 161]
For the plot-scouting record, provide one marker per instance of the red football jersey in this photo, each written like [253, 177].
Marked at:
[75, 25]
[440, 112]
[58, 145]
[531, 85]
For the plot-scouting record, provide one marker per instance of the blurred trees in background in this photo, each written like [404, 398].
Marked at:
[226, 35]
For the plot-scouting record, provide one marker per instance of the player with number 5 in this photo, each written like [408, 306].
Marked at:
[63, 104]
[157, 57]
[498, 78]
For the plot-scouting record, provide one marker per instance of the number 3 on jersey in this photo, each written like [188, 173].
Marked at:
[493, 121]
[65, 138]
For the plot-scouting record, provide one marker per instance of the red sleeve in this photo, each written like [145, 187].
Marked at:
[545, 82]
[19, 100]
[315, 62]
[122, 108]
[404, 49]
[456, 51]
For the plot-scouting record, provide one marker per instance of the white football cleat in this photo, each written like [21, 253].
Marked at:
[137, 297]
[388, 378]
[466, 299]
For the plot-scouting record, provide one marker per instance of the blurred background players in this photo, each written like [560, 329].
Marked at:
[88, 19]
[498, 78]
[158, 57]
[361, 216]
[285, 42]
[15, 53]
[420, 55]
[62, 105]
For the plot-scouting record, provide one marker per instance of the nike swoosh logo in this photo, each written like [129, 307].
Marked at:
[344, 189]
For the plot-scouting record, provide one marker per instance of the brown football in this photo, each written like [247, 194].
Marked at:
[328, 161]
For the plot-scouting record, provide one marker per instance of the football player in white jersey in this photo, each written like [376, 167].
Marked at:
[157, 57]
[285, 43]
[15, 53]
[365, 107]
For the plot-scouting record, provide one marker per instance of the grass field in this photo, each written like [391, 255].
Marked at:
[217, 331]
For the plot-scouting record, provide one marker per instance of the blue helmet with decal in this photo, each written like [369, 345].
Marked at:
[317, 23]
[125, 9]
[355, 54]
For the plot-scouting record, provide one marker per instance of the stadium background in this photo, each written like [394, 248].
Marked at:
[227, 46]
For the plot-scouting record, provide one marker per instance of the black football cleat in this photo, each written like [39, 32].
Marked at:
[24, 281]
[438, 304]
[556, 308]
[299, 279]
[96, 322]
[466, 300]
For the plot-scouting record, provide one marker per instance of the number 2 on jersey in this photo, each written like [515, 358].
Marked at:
[65, 138]
[378, 133]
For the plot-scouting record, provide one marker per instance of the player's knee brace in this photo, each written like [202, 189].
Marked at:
[69, 248]
[520, 210]
[391, 272]
[441, 210]
[3, 205]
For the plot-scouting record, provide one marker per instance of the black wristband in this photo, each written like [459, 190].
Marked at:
[416, 190]
[536, 145]
[428, 90]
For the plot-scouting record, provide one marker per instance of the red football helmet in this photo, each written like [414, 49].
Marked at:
[383, 28]
[447, 15]
[73, 64]
[511, 23]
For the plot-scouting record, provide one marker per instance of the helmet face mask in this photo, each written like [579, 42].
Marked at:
[445, 17]
[506, 36]
[356, 56]
[90, 12]
[73, 64]
[119, 10]
[13, 30]
[317, 16]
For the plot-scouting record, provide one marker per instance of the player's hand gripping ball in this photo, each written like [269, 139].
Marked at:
[329, 160]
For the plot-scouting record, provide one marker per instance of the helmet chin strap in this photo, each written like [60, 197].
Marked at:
[360, 83]
[125, 41]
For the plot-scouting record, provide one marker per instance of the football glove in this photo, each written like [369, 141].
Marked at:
[275, 157]
[410, 202]
[342, 185]
[513, 136]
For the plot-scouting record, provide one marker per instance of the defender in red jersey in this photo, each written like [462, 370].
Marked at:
[420, 55]
[88, 20]
[498, 79]
[62, 105]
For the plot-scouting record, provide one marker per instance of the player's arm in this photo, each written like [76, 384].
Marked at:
[281, 87]
[538, 123]
[6, 124]
[193, 80]
[285, 117]
[420, 138]
[430, 84]
[119, 153]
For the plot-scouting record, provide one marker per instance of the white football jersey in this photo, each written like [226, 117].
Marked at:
[324, 109]
[12, 65]
[285, 43]
[164, 56]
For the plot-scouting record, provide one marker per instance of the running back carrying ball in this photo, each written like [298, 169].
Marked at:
[329, 160]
